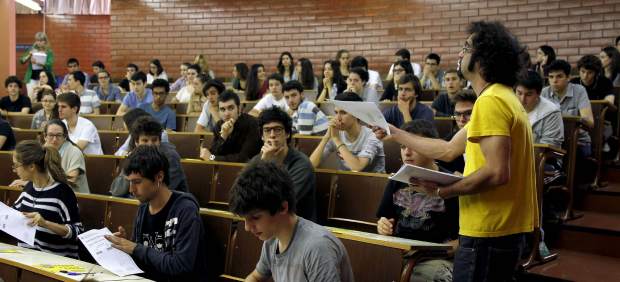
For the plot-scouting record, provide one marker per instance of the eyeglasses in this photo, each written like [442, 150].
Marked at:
[16, 165]
[57, 136]
[277, 130]
[467, 47]
[48, 101]
[466, 114]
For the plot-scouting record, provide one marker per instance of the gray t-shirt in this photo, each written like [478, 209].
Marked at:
[72, 158]
[314, 254]
[575, 98]
[366, 146]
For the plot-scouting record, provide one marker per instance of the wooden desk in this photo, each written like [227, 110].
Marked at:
[24, 265]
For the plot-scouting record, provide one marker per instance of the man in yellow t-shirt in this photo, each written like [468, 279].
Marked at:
[497, 196]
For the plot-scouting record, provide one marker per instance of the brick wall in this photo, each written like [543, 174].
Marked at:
[86, 38]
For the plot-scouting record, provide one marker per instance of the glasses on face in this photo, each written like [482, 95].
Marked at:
[465, 114]
[277, 130]
[55, 136]
[467, 48]
[16, 165]
[48, 101]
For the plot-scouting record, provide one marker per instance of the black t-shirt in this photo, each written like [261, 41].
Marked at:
[124, 84]
[443, 106]
[154, 226]
[601, 87]
[7, 131]
[390, 92]
[10, 106]
[419, 216]
[458, 164]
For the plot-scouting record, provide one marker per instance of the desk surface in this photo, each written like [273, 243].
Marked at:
[32, 261]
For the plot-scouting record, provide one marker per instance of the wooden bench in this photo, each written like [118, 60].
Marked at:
[19, 120]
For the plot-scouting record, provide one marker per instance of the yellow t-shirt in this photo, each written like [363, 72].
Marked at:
[510, 208]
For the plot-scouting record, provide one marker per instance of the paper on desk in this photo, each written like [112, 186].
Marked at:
[367, 112]
[14, 223]
[408, 171]
[114, 260]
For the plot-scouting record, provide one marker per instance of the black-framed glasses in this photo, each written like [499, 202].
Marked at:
[466, 114]
[467, 48]
[277, 130]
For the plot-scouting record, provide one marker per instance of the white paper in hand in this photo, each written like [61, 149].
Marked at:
[114, 260]
[14, 223]
[408, 171]
[367, 112]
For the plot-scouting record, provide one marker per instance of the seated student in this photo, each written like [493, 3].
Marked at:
[545, 116]
[286, 66]
[197, 99]
[274, 98]
[185, 93]
[158, 109]
[146, 130]
[47, 199]
[138, 96]
[572, 100]
[374, 79]
[72, 65]
[357, 83]
[408, 107]
[156, 70]
[97, 67]
[46, 82]
[443, 105]
[332, 82]
[240, 76]
[182, 80]
[210, 113]
[304, 73]
[81, 131]
[308, 119]
[610, 59]
[128, 120]
[404, 212]
[89, 100]
[590, 77]
[14, 102]
[463, 106]
[277, 131]
[236, 137]
[404, 55]
[47, 112]
[357, 147]
[294, 249]
[432, 75]
[72, 160]
[125, 83]
[107, 91]
[7, 138]
[391, 90]
[257, 83]
[168, 238]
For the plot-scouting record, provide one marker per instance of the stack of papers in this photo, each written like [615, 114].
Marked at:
[408, 171]
[38, 60]
[110, 258]
[15, 223]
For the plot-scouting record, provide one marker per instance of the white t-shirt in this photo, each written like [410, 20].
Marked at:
[269, 101]
[150, 77]
[184, 95]
[86, 130]
[205, 119]
[374, 80]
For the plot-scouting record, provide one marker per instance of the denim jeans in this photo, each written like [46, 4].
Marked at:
[488, 259]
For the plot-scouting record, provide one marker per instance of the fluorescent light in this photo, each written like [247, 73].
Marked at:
[30, 4]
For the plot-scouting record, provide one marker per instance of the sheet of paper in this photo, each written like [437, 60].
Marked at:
[14, 223]
[408, 171]
[367, 112]
[114, 260]
[39, 59]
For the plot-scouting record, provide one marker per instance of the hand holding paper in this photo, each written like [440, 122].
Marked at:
[16, 224]
[407, 171]
[108, 257]
[367, 112]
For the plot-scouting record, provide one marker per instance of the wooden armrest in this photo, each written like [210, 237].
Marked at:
[551, 149]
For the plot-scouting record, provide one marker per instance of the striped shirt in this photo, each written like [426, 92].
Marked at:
[309, 120]
[89, 101]
[55, 203]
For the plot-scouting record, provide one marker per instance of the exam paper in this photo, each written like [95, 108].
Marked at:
[408, 171]
[38, 59]
[367, 112]
[114, 260]
[14, 223]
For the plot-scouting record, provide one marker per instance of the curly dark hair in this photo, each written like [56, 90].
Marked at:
[497, 51]
[291, 67]
[590, 62]
[147, 161]
[275, 114]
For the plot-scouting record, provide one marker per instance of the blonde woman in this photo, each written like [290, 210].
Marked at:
[39, 58]
[201, 60]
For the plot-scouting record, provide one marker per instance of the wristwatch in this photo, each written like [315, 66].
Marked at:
[212, 157]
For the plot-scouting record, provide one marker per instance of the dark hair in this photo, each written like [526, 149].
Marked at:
[12, 79]
[195, 67]
[134, 66]
[359, 61]
[465, 96]
[421, 127]
[403, 53]
[590, 62]
[252, 86]
[340, 52]
[558, 65]
[531, 80]
[337, 79]
[293, 85]
[71, 99]
[98, 64]
[242, 69]
[45, 158]
[144, 125]
[44, 92]
[548, 50]
[51, 80]
[497, 51]
[614, 55]
[306, 78]
[417, 86]
[214, 83]
[79, 76]
[275, 114]
[139, 75]
[161, 83]
[405, 65]
[132, 115]
[73, 61]
[281, 69]
[362, 73]
[147, 161]
[617, 40]
[453, 71]
[157, 63]
[276, 76]
[65, 131]
[348, 96]
[433, 56]
[203, 77]
[262, 186]
[228, 95]
[186, 64]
